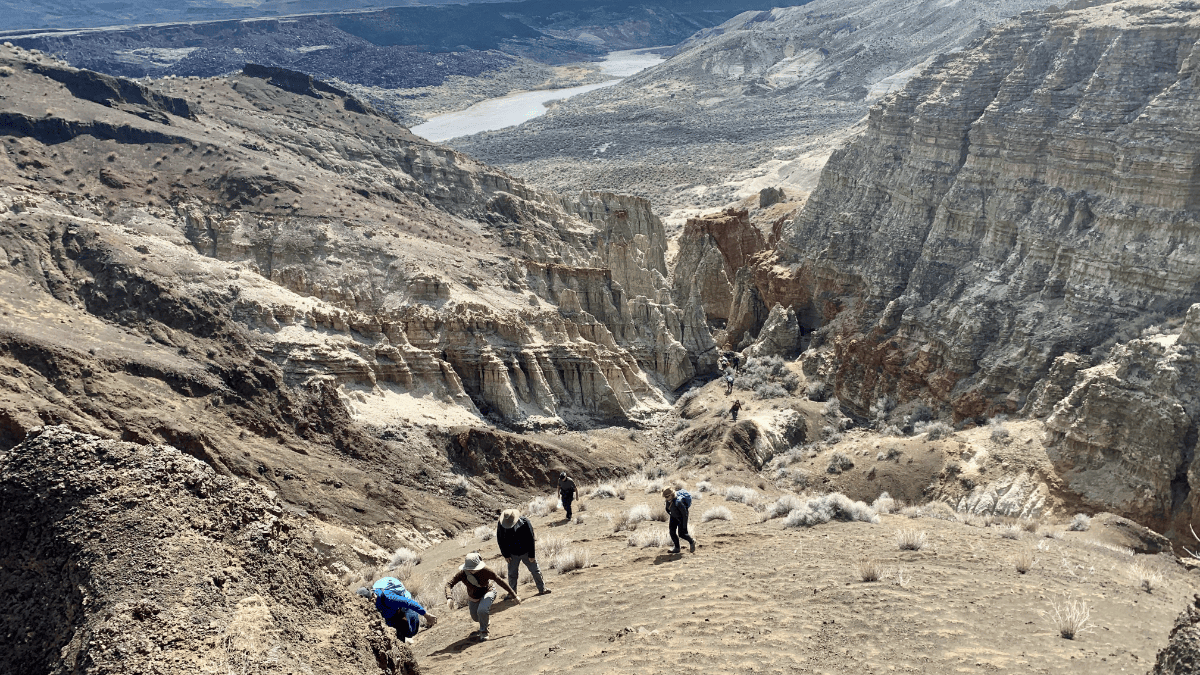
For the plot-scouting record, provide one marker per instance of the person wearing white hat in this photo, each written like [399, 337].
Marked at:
[475, 575]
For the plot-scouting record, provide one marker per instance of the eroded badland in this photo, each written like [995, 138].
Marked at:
[260, 345]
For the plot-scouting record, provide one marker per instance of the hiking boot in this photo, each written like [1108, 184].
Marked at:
[692, 543]
[544, 591]
[674, 550]
[483, 637]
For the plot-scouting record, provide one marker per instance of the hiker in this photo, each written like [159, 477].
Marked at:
[728, 383]
[566, 492]
[475, 575]
[398, 608]
[678, 504]
[514, 534]
[733, 409]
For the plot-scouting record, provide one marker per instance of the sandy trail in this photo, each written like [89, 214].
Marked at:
[757, 598]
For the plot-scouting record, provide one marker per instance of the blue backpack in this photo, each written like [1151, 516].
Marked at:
[685, 497]
[388, 590]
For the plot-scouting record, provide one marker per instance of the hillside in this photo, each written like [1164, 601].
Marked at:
[759, 101]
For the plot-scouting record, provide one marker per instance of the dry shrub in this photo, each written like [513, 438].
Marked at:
[782, 506]
[704, 486]
[1146, 578]
[652, 538]
[716, 513]
[1024, 560]
[402, 556]
[1069, 618]
[659, 514]
[404, 572]
[603, 491]
[1010, 532]
[427, 589]
[579, 518]
[833, 506]
[738, 493]
[1030, 525]
[571, 559]
[551, 545]
[910, 539]
[485, 532]
[884, 504]
[630, 519]
[458, 597]
[1080, 523]
[870, 569]
[911, 512]
[543, 506]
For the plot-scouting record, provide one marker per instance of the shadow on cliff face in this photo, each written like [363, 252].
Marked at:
[526, 463]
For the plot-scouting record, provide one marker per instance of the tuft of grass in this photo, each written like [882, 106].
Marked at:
[910, 539]
[833, 506]
[716, 513]
[1080, 523]
[869, 569]
[653, 538]
[737, 493]
[571, 559]
[1024, 560]
[1030, 525]
[704, 486]
[1069, 618]
[1010, 532]
[551, 545]
[1145, 577]
[659, 514]
[630, 519]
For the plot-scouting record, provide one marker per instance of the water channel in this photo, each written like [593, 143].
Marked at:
[513, 109]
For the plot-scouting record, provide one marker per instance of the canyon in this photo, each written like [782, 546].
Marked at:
[257, 338]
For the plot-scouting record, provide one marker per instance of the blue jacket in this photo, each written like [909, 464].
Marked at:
[400, 612]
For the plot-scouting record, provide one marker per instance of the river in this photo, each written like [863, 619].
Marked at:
[513, 109]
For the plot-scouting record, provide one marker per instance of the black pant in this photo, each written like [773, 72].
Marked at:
[677, 529]
[567, 507]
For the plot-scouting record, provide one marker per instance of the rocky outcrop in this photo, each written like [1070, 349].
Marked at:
[712, 249]
[1181, 656]
[1124, 437]
[1015, 202]
[131, 543]
[780, 335]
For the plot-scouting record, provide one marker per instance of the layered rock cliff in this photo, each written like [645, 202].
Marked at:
[1032, 196]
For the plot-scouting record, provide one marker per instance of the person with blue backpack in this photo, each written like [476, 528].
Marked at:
[397, 607]
[678, 504]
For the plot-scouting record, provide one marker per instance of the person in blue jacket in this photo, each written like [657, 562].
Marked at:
[398, 608]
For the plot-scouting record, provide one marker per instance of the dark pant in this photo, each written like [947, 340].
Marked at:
[567, 507]
[678, 529]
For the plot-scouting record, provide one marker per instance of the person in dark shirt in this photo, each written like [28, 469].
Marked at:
[566, 492]
[478, 579]
[514, 535]
[733, 409]
[678, 512]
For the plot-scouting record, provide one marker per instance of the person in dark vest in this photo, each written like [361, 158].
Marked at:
[514, 535]
[733, 409]
[478, 579]
[566, 492]
[398, 608]
[677, 509]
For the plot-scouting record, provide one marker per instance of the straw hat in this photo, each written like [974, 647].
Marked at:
[472, 563]
[509, 518]
[668, 493]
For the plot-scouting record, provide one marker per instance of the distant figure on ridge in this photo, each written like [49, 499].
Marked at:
[566, 492]
[678, 504]
[475, 575]
[514, 534]
[733, 409]
[397, 607]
